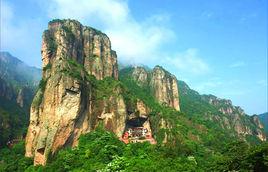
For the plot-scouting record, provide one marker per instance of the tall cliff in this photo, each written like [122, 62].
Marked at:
[164, 87]
[80, 90]
[162, 84]
[71, 99]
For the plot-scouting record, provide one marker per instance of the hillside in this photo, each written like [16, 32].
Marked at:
[206, 109]
[213, 110]
[17, 88]
[89, 115]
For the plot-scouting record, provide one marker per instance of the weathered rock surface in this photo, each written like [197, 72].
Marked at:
[235, 118]
[257, 121]
[69, 39]
[165, 88]
[141, 76]
[20, 100]
[74, 96]
[264, 120]
[259, 132]
[162, 84]
[67, 103]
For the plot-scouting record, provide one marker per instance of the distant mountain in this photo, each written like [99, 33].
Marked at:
[221, 112]
[82, 91]
[218, 115]
[264, 120]
[16, 72]
[18, 83]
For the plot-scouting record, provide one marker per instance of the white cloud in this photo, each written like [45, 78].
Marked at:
[237, 64]
[107, 12]
[20, 36]
[138, 42]
[188, 62]
[6, 17]
[135, 41]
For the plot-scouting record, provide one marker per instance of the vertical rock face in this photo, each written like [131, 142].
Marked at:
[66, 39]
[164, 87]
[20, 98]
[162, 84]
[67, 103]
[140, 75]
[257, 121]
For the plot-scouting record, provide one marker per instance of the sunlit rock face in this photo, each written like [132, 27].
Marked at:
[163, 85]
[65, 105]
[165, 88]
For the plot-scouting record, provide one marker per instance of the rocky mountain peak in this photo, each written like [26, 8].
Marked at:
[235, 117]
[140, 75]
[164, 87]
[69, 101]
[162, 84]
[80, 90]
[68, 39]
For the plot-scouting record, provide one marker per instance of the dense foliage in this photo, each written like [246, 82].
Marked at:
[13, 121]
[13, 159]
[15, 78]
[102, 151]
[194, 142]
[198, 109]
[190, 128]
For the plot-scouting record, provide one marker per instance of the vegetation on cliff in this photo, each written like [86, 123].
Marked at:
[80, 93]
[100, 150]
[17, 86]
[264, 119]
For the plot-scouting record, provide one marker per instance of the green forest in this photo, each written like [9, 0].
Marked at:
[194, 144]
[102, 151]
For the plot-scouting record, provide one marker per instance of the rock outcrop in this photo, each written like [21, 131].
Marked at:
[68, 102]
[164, 87]
[19, 99]
[80, 90]
[141, 76]
[264, 120]
[162, 84]
[235, 118]
[256, 120]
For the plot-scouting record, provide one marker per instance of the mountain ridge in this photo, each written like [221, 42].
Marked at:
[18, 82]
[82, 89]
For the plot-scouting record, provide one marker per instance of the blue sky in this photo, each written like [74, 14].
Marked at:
[218, 47]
